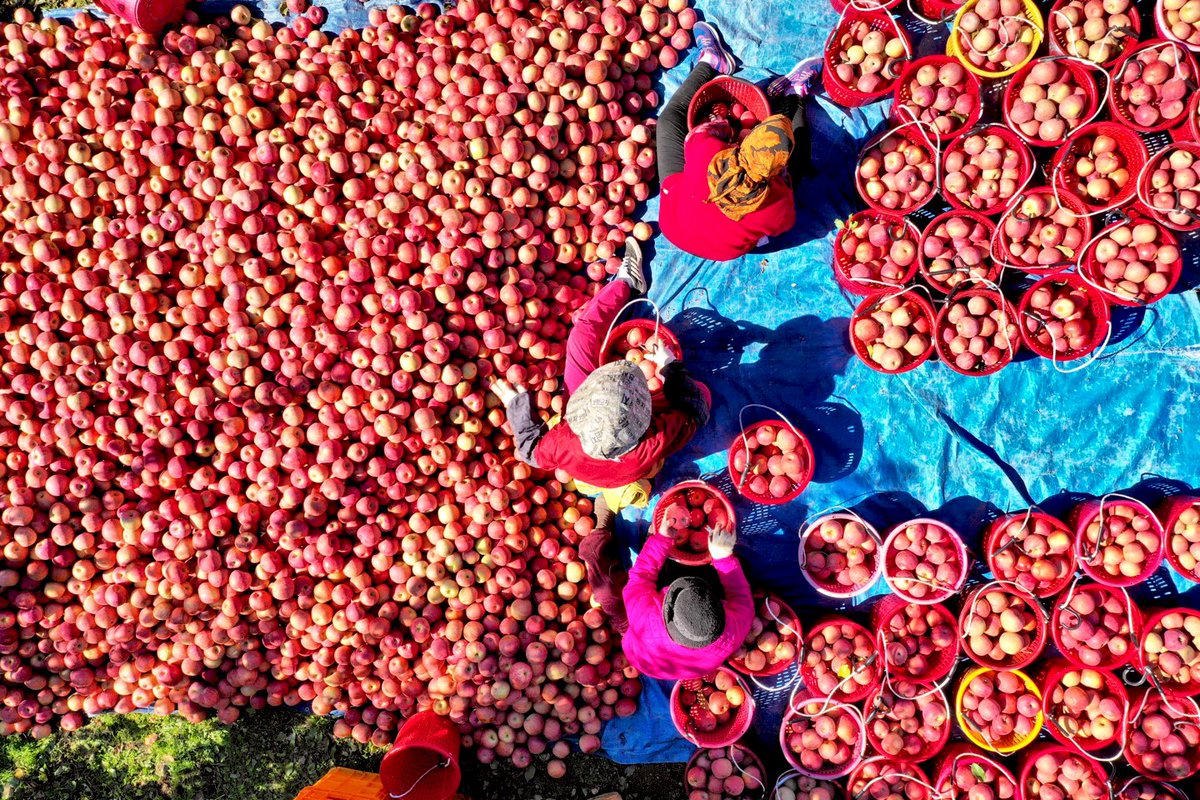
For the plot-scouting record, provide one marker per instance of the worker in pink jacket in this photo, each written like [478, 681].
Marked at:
[685, 630]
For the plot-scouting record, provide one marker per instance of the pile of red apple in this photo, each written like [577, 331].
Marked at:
[914, 638]
[864, 59]
[884, 778]
[976, 777]
[1047, 100]
[897, 172]
[907, 720]
[1086, 707]
[977, 332]
[725, 773]
[822, 736]
[1137, 261]
[1164, 737]
[938, 92]
[1123, 540]
[1096, 170]
[1151, 86]
[876, 250]
[894, 332]
[998, 705]
[1171, 187]
[995, 35]
[635, 345]
[1034, 551]
[773, 638]
[922, 562]
[1094, 627]
[771, 461]
[710, 703]
[983, 170]
[1183, 540]
[1002, 628]
[1058, 317]
[1042, 234]
[1058, 774]
[955, 248]
[1096, 30]
[1171, 650]
[688, 515]
[841, 552]
[842, 658]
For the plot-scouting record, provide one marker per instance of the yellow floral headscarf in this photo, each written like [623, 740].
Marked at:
[739, 177]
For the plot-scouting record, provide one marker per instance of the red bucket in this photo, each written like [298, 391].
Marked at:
[958, 769]
[1060, 42]
[1178, 545]
[845, 263]
[1144, 747]
[1034, 641]
[904, 108]
[942, 589]
[1189, 129]
[1090, 554]
[1147, 789]
[945, 331]
[1050, 678]
[1064, 200]
[941, 658]
[1121, 110]
[1066, 620]
[650, 327]
[1149, 656]
[784, 623]
[1130, 147]
[1162, 26]
[150, 16]
[423, 761]
[902, 779]
[1116, 291]
[816, 662]
[961, 199]
[863, 5]
[740, 716]
[918, 308]
[915, 135]
[746, 767]
[1034, 323]
[726, 89]
[1028, 771]
[999, 546]
[876, 20]
[804, 708]
[1174, 217]
[950, 271]
[742, 479]
[1081, 76]
[793, 785]
[692, 492]
[813, 545]
[931, 703]
[936, 12]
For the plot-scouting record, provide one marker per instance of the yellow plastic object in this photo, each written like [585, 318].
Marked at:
[1011, 743]
[1038, 28]
[344, 784]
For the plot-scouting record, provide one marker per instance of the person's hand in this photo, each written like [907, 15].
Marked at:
[660, 354]
[721, 542]
[505, 391]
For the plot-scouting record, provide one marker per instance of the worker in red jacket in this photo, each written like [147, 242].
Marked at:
[722, 198]
[612, 434]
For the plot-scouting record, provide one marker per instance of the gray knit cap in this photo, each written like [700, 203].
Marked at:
[610, 411]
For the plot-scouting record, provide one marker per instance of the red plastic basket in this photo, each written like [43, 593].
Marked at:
[992, 547]
[937, 282]
[910, 132]
[1059, 42]
[146, 15]
[683, 556]
[1051, 675]
[863, 5]
[1160, 26]
[1083, 514]
[742, 758]
[1081, 75]
[923, 689]
[943, 321]
[942, 660]
[798, 705]
[1062, 618]
[870, 304]
[739, 478]
[843, 263]
[828, 588]
[1097, 307]
[1168, 512]
[423, 762]
[840, 93]
[857, 691]
[902, 112]
[911, 780]
[726, 89]
[1118, 108]
[1018, 660]
[889, 545]
[1026, 766]
[739, 722]
[1181, 711]
[1139, 788]
[936, 12]
[787, 617]
[1067, 201]
[1143, 188]
[1170, 688]
[1091, 269]
[1129, 145]
[1013, 142]
[960, 754]
[1189, 129]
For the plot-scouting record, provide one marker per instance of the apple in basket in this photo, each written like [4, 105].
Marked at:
[1152, 85]
[1092, 29]
[1184, 540]
[842, 552]
[982, 171]
[897, 173]
[689, 515]
[718, 773]
[955, 248]
[866, 60]
[976, 778]
[1095, 627]
[1084, 707]
[768, 642]
[997, 705]
[1183, 20]
[880, 250]
[711, 702]
[1042, 233]
[1061, 775]
[1048, 102]
[1174, 190]
[1135, 261]
[1164, 740]
[841, 655]
[914, 635]
[887, 779]
[1060, 317]
[634, 347]
[998, 625]
[995, 35]
[822, 736]
[802, 787]
[1172, 649]
[940, 95]
[777, 460]
[1121, 539]
[906, 719]
[1101, 169]
[924, 561]
[1035, 553]
[895, 333]
[978, 332]
[1146, 789]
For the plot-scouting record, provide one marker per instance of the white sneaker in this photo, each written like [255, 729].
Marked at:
[631, 266]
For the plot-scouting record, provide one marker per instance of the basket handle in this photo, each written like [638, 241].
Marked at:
[1021, 18]
[746, 442]
[1120, 739]
[1003, 306]
[1081, 541]
[1155, 211]
[1065, 607]
[829, 702]
[1122, 220]
[1087, 362]
[781, 780]
[1166, 700]
[627, 306]
[870, 529]
[949, 15]
[1014, 209]
[925, 129]
[1013, 540]
[702, 290]
[442, 764]
[1072, 39]
[733, 748]
[786, 626]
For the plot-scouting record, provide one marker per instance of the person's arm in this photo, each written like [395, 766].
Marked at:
[642, 586]
[738, 603]
[528, 428]
[683, 393]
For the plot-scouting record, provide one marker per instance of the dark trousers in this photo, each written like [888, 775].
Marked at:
[673, 125]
